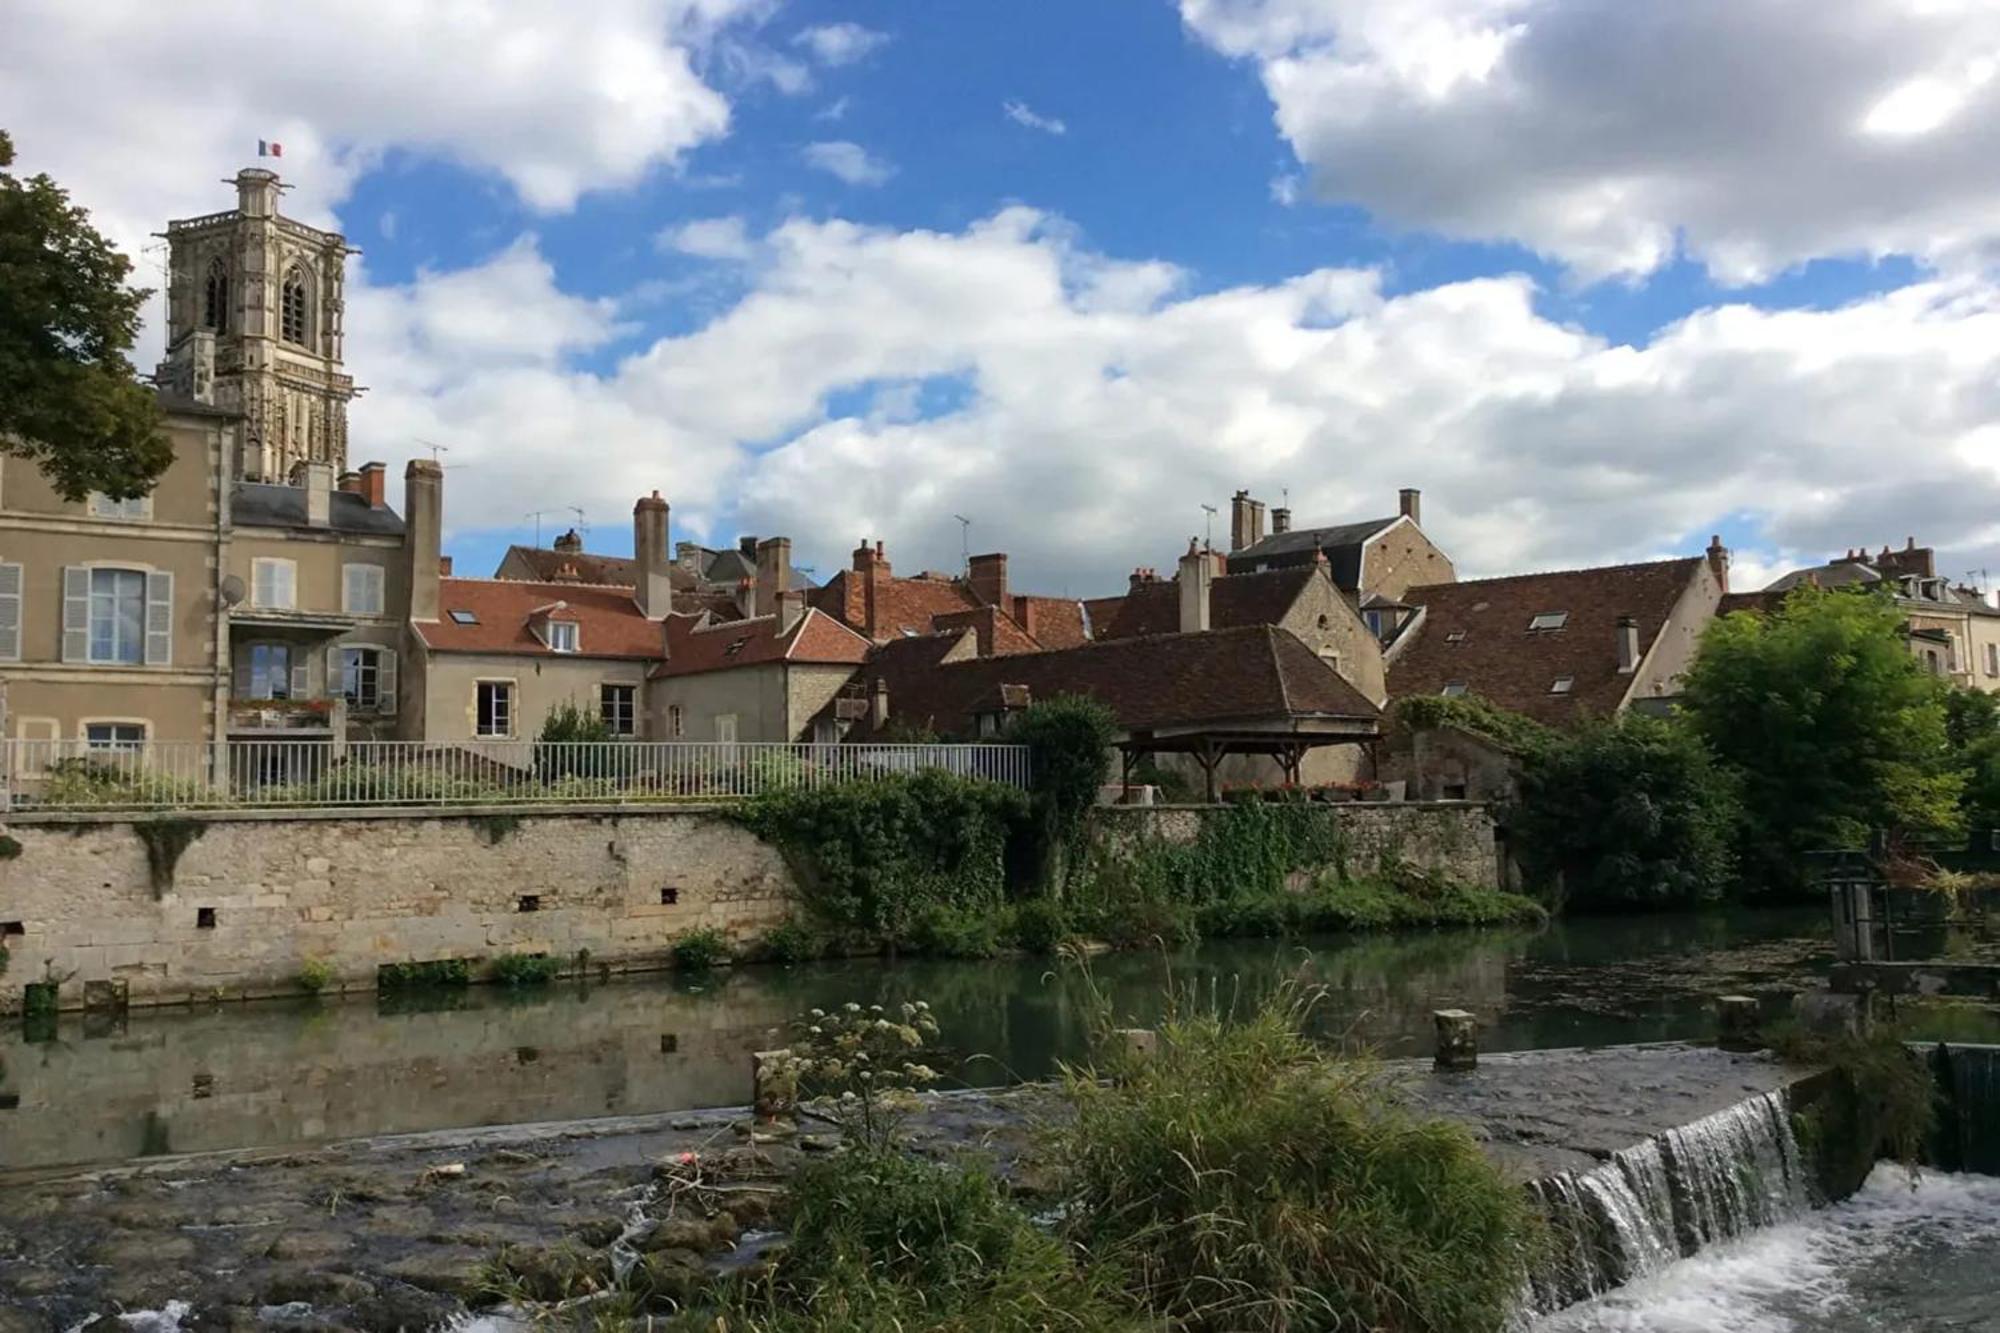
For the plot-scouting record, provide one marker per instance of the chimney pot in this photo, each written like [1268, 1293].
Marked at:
[375, 484]
[349, 483]
[444, 566]
[1281, 520]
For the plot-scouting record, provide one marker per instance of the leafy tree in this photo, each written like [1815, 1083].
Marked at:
[1069, 743]
[1831, 725]
[1627, 813]
[69, 400]
[1972, 726]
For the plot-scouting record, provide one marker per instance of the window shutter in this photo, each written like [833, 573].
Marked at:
[159, 618]
[335, 680]
[10, 613]
[385, 680]
[302, 677]
[76, 614]
[240, 673]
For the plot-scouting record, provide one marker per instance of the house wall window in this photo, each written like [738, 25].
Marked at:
[274, 584]
[135, 509]
[117, 615]
[563, 636]
[676, 721]
[114, 735]
[494, 708]
[618, 704]
[293, 314]
[367, 678]
[361, 589]
[267, 671]
[1993, 659]
[10, 613]
[725, 728]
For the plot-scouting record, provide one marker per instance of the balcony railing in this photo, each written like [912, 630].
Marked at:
[285, 774]
[327, 715]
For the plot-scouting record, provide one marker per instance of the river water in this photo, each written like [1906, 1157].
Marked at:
[282, 1073]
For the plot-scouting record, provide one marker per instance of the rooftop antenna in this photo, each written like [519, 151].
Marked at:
[964, 544]
[537, 516]
[1208, 527]
[582, 527]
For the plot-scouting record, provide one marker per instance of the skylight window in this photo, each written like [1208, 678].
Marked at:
[1452, 689]
[1549, 620]
[1562, 685]
[734, 648]
[1456, 636]
[464, 618]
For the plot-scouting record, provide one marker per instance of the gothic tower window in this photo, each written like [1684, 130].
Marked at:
[292, 310]
[215, 297]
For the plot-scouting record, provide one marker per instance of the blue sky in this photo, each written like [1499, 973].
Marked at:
[1600, 280]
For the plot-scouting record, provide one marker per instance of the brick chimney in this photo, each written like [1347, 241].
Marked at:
[1718, 560]
[444, 566]
[570, 543]
[1628, 645]
[871, 574]
[1281, 520]
[989, 579]
[791, 610]
[652, 585]
[1024, 614]
[317, 480]
[774, 574]
[375, 484]
[423, 522]
[1256, 521]
[1410, 503]
[348, 483]
[1197, 571]
[1239, 520]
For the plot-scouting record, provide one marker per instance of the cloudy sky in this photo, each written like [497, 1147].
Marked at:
[1599, 277]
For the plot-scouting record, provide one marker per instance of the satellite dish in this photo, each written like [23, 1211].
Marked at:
[232, 590]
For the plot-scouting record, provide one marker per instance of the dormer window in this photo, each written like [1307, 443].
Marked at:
[1549, 620]
[1562, 685]
[293, 310]
[563, 636]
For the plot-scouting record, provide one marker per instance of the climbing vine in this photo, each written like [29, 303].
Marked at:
[166, 840]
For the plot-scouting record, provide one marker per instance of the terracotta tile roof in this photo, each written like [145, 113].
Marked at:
[1055, 622]
[1250, 674]
[997, 633]
[609, 623]
[696, 644]
[1101, 613]
[1233, 600]
[1477, 633]
[902, 606]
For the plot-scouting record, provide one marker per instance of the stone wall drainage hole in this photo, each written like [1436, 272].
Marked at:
[204, 918]
[531, 902]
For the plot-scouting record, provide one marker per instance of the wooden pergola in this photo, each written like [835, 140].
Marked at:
[1285, 739]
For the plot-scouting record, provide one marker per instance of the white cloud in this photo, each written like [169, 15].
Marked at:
[849, 161]
[835, 44]
[553, 97]
[1750, 134]
[709, 238]
[1090, 405]
[1285, 189]
[834, 110]
[1022, 114]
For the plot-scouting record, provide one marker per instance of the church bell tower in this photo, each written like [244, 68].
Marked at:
[254, 308]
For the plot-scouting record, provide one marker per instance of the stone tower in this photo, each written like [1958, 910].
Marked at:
[254, 307]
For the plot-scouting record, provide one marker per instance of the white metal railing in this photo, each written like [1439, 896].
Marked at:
[266, 774]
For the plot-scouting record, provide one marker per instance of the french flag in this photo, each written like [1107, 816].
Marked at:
[268, 149]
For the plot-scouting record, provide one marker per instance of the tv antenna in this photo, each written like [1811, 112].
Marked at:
[964, 543]
[1208, 527]
[537, 516]
[437, 449]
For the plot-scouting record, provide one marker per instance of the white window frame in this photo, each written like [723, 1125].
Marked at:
[385, 677]
[565, 636]
[144, 726]
[258, 567]
[725, 728]
[137, 509]
[371, 579]
[609, 714]
[1555, 620]
[512, 698]
[294, 660]
[116, 657]
[676, 721]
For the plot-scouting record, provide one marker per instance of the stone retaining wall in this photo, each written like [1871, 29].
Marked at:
[1455, 839]
[252, 898]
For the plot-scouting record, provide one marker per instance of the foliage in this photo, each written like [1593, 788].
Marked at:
[69, 398]
[1627, 813]
[1401, 897]
[108, 783]
[1885, 1101]
[793, 941]
[438, 972]
[1972, 729]
[1069, 751]
[944, 931]
[1040, 926]
[1241, 1179]
[315, 975]
[1470, 713]
[10, 847]
[166, 840]
[861, 1068]
[496, 828]
[701, 949]
[526, 969]
[41, 999]
[1832, 726]
[873, 857]
[570, 724]
[882, 1241]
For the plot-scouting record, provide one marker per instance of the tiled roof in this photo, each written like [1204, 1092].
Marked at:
[583, 567]
[257, 504]
[695, 645]
[1257, 673]
[997, 632]
[1477, 633]
[1055, 622]
[609, 623]
[1233, 600]
[1342, 544]
[1100, 613]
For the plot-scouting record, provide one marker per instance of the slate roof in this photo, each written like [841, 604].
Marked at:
[696, 645]
[1233, 600]
[257, 504]
[1250, 674]
[1499, 658]
[606, 570]
[609, 623]
[1341, 542]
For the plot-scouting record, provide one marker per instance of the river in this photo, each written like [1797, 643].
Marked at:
[281, 1073]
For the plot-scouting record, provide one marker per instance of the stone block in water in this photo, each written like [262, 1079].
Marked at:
[1457, 1039]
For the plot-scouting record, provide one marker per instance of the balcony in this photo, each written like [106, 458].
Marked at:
[288, 717]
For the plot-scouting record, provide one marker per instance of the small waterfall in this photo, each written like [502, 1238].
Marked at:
[1657, 1201]
[1968, 1137]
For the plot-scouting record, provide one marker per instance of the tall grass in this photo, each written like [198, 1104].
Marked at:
[1243, 1180]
